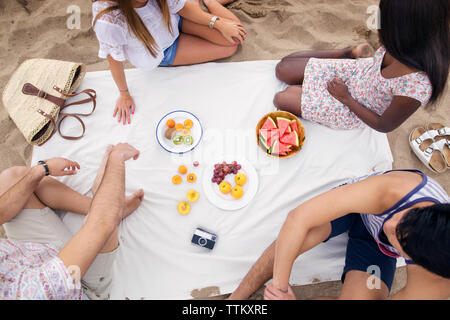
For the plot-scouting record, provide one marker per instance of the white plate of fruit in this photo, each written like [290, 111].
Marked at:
[179, 132]
[230, 184]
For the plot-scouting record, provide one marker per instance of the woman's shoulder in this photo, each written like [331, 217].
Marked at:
[114, 16]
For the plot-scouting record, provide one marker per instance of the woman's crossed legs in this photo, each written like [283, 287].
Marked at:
[291, 70]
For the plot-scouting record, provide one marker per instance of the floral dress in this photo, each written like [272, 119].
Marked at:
[366, 85]
[32, 271]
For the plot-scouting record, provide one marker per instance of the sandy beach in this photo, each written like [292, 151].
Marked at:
[37, 29]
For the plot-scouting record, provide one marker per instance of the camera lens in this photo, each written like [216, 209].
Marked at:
[202, 242]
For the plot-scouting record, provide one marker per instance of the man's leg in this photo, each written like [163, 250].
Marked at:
[262, 270]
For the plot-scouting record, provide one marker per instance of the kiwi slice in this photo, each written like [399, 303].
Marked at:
[177, 140]
[188, 140]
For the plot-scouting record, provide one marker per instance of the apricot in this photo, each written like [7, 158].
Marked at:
[191, 177]
[184, 208]
[193, 196]
[237, 192]
[182, 169]
[177, 179]
[240, 179]
[225, 187]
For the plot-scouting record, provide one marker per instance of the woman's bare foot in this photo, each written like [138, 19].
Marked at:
[133, 202]
[364, 50]
[101, 171]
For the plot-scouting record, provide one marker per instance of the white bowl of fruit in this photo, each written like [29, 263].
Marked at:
[230, 184]
[179, 132]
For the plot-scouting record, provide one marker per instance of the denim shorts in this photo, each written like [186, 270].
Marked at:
[363, 253]
[171, 52]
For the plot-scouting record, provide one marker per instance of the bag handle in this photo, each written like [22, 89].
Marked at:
[30, 89]
[92, 97]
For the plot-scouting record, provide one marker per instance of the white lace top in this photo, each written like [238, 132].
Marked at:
[117, 40]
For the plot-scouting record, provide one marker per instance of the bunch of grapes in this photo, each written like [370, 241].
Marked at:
[221, 170]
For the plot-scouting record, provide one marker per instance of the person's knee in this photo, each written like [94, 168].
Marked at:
[281, 70]
[229, 51]
[278, 99]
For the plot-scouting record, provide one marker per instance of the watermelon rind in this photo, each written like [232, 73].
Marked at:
[297, 141]
[273, 147]
[263, 141]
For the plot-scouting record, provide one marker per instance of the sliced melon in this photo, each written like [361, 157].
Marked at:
[283, 125]
[269, 124]
[294, 126]
[291, 139]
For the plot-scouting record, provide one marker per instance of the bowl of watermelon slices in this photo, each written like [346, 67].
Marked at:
[280, 134]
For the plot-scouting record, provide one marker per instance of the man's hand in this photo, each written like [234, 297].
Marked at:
[125, 152]
[59, 167]
[272, 293]
[339, 90]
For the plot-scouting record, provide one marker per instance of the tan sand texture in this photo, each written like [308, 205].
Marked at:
[38, 29]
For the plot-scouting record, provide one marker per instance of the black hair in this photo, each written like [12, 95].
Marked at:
[424, 234]
[416, 33]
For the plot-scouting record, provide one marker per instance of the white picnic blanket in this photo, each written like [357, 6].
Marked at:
[156, 259]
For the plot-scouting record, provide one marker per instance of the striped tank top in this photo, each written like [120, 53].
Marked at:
[428, 190]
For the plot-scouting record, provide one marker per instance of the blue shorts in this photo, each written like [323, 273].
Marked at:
[362, 251]
[171, 52]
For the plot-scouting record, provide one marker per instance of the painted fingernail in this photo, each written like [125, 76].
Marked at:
[235, 44]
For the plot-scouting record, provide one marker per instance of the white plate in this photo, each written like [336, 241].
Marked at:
[179, 117]
[226, 201]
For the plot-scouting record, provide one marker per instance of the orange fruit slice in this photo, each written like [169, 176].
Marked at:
[191, 177]
[188, 124]
[193, 196]
[170, 123]
[179, 126]
[182, 169]
[177, 179]
[184, 208]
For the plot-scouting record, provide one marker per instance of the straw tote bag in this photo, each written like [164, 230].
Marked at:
[36, 94]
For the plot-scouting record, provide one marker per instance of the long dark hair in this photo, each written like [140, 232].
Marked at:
[416, 33]
[135, 23]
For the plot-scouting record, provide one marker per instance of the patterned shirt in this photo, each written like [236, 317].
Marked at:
[366, 84]
[33, 271]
